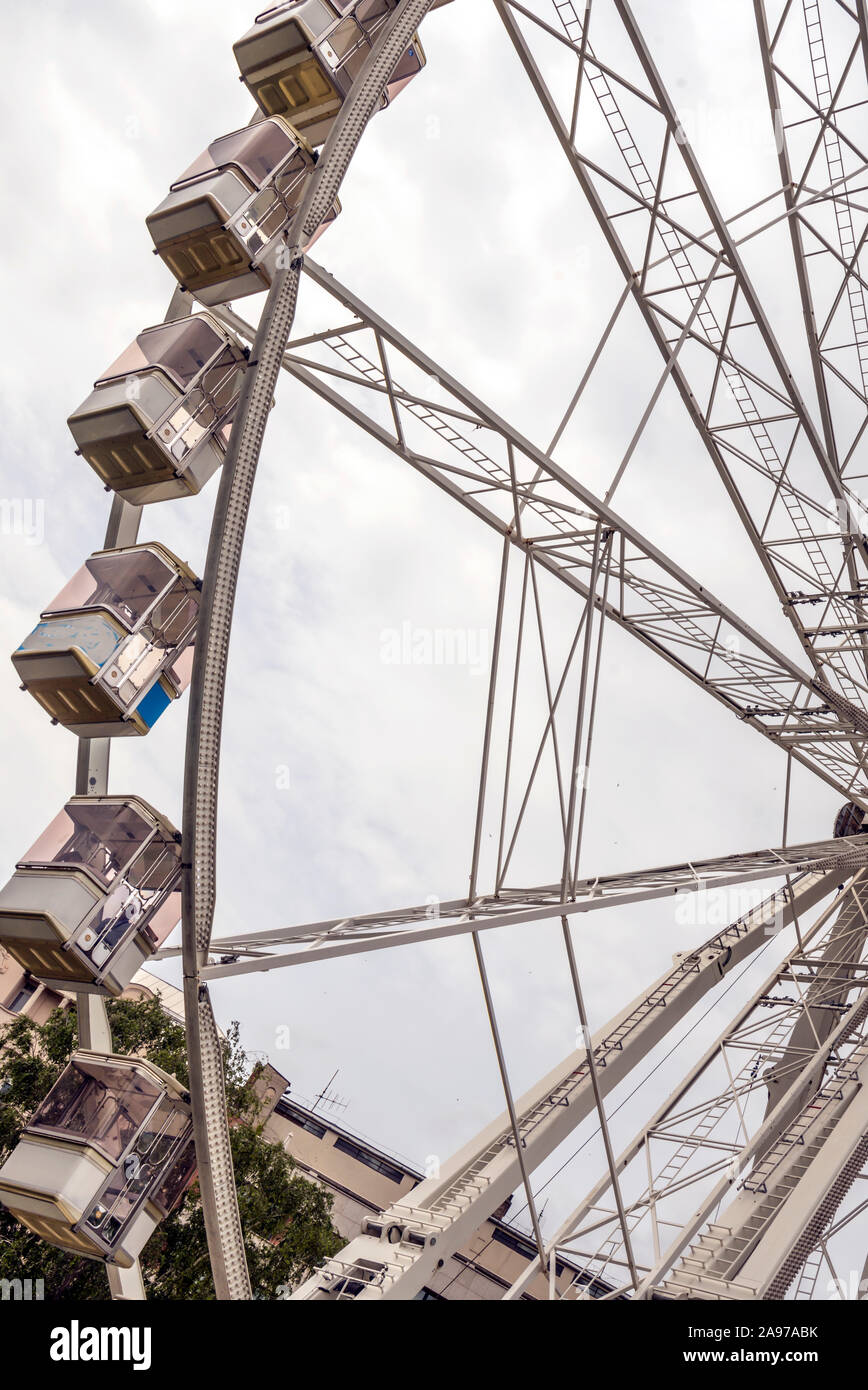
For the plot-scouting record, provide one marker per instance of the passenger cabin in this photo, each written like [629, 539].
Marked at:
[95, 897]
[849, 820]
[221, 229]
[106, 1157]
[299, 60]
[115, 647]
[157, 423]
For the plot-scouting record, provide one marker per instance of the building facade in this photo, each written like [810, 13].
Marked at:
[21, 994]
[364, 1180]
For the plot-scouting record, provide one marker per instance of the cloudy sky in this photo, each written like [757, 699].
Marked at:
[348, 782]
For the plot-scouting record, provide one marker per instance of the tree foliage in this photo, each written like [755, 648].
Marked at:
[286, 1218]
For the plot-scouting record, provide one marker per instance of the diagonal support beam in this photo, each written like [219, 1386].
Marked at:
[706, 1116]
[316, 941]
[405, 1244]
[811, 92]
[474, 456]
[760, 426]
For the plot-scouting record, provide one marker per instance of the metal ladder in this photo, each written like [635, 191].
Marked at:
[835, 165]
[736, 382]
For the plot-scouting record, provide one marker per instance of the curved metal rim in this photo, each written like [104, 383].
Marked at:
[201, 773]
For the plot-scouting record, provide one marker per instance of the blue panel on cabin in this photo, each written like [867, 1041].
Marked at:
[153, 704]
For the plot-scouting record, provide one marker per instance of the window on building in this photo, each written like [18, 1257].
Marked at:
[424, 1295]
[311, 1126]
[23, 997]
[301, 1121]
[521, 1247]
[370, 1160]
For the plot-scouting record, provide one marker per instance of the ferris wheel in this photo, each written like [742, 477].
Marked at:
[744, 1182]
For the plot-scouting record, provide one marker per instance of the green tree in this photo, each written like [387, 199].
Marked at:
[286, 1218]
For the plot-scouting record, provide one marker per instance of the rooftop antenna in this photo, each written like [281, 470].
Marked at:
[330, 1098]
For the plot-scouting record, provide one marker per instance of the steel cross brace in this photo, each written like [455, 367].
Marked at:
[766, 1028]
[751, 418]
[442, 1213]
[486, 465]
[818, 127]
[250, 953]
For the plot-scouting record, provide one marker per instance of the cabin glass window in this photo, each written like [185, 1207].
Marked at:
[145, 888]
[177, 1179]
[165, 919]
[181, 670]
[127, 583]
[103, 1104]
[256, 151]
[179, 349]
[174, 617]
[102, 839]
